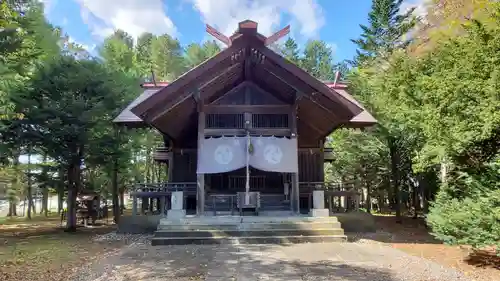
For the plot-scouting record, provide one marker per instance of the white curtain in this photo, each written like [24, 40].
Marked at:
[225, 154]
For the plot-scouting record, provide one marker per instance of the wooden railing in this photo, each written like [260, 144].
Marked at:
[308, 187]
[160, 189]
[256, 182]
[162, 154]
[336, 195]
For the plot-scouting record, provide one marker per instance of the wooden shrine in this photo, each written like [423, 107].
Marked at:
[245, 90]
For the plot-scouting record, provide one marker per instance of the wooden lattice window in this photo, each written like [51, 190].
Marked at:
[225, 121]
[270, 120]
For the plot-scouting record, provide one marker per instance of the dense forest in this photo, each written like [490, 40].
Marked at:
[432, 82]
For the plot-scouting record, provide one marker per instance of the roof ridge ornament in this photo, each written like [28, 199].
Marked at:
[247, 27]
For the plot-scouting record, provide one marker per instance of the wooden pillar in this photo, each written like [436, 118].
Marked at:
[200, 191]
[162, 205]
[295, 176]
[170, 176]
[322, 160]
[144, 205]
[296, 192]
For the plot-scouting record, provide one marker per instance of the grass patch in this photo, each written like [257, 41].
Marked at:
[40, 249]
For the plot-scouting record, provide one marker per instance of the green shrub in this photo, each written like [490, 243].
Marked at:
[467, 210]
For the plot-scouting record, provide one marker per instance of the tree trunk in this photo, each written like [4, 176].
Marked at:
[368, 198]
[12, 209]
[60, 190]
[45, 201]
[381, 201]
[45, 189]
[29, 189]
[395, 177]
[114, 191]
[71, 206]
[33, 205]
[122, 200]
[424, 190]
[416, 195]
[74, 171]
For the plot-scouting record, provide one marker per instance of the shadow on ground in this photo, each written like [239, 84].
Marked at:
[409, 231]
[227, 262]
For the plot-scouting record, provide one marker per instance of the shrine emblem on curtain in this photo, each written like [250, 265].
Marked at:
[225, 154]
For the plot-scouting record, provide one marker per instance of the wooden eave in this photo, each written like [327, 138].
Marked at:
[247, 60]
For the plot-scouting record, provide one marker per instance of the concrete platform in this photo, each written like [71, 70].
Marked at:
[248, 230]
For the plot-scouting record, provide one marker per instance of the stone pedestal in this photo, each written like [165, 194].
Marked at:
[318, 199]
[319, 205]
[177, 211]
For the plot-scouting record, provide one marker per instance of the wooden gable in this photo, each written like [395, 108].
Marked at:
[250, 94]
[247, 66]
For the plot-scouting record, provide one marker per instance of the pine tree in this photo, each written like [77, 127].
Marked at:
[386, 30]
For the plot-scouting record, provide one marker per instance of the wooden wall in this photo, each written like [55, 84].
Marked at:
[310, 170]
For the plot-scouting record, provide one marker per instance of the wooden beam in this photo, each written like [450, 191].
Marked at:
[299, 92]
[248, 65]
[310, 125]
[253, 131]
[218, 35]
[182, 82]
[278, 97]
[166, 108]
[277, 36]
[233, 90]
[346, 109]
[255, 109]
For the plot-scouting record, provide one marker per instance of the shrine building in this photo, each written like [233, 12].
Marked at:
[245, 131]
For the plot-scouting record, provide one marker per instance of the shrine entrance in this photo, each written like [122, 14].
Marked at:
[252, 165]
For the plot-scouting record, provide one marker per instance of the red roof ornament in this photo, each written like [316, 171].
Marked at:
[247, 27]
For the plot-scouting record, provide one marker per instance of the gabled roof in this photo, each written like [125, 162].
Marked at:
[172, 109]
[126, 117]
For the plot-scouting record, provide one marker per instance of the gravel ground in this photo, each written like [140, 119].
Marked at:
[306, 262]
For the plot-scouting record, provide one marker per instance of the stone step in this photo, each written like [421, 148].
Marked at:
[156, 241]
[249, 226]
[234, 220]
[248, 233]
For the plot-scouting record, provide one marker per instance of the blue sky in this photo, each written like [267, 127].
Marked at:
[87, 22]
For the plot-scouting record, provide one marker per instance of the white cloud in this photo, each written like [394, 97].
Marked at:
[419, 5]
[48, 5]
[87, 47]
[333, 46]
[306, 15]
[132, 16]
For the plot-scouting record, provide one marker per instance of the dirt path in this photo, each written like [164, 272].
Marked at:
[327, 261]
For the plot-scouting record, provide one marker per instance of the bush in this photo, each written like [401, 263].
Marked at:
[473, 217]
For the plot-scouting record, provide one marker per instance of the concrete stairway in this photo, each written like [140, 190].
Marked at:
[248, 230]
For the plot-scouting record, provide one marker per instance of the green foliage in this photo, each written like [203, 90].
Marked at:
[317, 58]
[118, 53]
[450, 95]
[443, 109]
[196, 54]
[387, 26]
[166, 53]
[467, 210]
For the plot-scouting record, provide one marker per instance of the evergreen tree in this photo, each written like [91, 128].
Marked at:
[386, 30]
